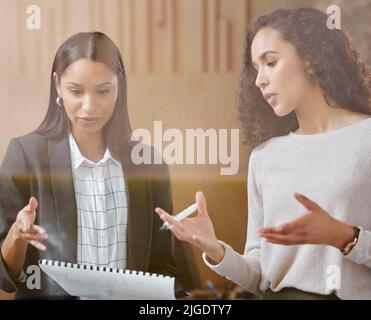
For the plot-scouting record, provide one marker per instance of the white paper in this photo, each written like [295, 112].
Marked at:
[115, 285]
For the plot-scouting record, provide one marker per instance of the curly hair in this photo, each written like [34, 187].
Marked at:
[336, 65]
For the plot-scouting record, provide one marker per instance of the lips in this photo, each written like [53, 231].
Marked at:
[87, 121]
[89, 118]
[271, 98]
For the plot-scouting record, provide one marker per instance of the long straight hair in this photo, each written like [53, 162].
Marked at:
[100, 48]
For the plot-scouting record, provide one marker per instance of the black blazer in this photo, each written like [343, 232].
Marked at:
[41, 167]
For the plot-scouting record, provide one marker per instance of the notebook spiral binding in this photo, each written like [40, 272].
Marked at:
[57, 263]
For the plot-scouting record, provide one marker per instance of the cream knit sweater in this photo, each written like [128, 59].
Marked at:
[334, 170]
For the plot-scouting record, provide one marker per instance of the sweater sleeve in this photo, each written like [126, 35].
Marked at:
[361, 252]
[244, 269]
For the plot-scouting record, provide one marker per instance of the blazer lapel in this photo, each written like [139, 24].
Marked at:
[139, 230]
[64, 197]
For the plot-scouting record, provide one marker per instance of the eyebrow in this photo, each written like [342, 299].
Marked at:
[264, 54]
[79, 85]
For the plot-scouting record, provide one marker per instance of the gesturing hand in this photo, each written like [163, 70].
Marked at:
[198, 231]
[25, 228]
[315, 226]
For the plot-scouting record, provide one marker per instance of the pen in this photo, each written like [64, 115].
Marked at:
[212, 289]
[182, 215]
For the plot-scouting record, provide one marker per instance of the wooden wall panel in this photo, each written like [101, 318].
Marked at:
[113, 20]
[190, 36]
[155, 36]
[126, 26]
[141, 15]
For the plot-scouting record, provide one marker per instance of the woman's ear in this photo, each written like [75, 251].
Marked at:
[308, 68]
[56, 83]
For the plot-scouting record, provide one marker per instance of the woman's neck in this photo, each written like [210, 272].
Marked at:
[91, 146]
[315, 115]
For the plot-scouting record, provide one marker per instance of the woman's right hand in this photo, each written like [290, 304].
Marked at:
[198, 231]
[25, 229]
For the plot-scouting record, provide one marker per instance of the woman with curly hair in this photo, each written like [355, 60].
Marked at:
[305, 106]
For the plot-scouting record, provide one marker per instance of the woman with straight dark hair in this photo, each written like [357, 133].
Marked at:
[69, 191]
[305, 106]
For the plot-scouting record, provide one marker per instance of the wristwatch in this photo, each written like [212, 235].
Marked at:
[351, 244]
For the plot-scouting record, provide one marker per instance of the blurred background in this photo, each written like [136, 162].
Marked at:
[183, 60]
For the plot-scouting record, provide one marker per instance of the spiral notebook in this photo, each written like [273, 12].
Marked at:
[91, 282]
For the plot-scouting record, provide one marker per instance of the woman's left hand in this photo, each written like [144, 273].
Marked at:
[315, 226]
